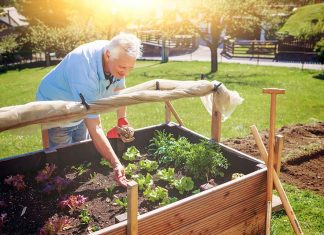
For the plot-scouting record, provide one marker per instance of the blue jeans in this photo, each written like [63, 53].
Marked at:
[60, 136]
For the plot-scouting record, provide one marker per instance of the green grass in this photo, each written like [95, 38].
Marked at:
[302, 19]
[302, 103]
[309, 211]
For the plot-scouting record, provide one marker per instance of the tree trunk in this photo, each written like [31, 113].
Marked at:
[214, 62]
[47, 59]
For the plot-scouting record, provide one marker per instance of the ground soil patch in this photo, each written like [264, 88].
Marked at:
[303, 154]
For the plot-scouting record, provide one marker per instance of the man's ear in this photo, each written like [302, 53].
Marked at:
[108, 53]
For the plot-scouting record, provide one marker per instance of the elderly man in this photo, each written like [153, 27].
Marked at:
[95, 70]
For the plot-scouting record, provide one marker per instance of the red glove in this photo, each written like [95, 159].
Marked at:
[112, 133]
[122, 122]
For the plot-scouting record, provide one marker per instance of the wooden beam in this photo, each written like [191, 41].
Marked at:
[132, 196]
[278, 152]
[167, 114]
[175, 114]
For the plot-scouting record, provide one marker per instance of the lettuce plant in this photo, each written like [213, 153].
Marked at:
[143, 181]
[46, 173]
[16, 181]
[131, 154]
[104, 162]
[55, 225]
[168, 200]
[157, 194]
[166, 175]
[73, 202]
[148, 165]
[130, 169]
[184, 184]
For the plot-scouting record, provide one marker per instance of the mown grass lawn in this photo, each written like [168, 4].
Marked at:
[302, 103]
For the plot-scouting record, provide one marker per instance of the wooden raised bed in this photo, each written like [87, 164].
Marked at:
[234, 207]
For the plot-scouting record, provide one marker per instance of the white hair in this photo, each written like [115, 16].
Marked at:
[126, 42]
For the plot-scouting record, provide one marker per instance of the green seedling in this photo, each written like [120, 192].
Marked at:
[131, 154]
[184, 184]
[157, 194]
[85, 217]
[166, 175]
[143, 181]
[168, 200]
[123, 202]
[81, 169]
[104, 162]
[130, 169]
[148, 165]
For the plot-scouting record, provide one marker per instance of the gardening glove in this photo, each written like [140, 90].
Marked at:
[122, 131]
[119, 175]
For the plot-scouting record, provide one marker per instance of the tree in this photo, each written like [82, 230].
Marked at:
[220, 14]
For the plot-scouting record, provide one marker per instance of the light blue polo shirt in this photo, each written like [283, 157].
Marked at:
[81, 71]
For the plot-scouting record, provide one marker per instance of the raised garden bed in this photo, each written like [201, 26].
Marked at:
[233, 207]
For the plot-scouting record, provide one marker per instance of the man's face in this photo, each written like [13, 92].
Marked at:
[120, 67]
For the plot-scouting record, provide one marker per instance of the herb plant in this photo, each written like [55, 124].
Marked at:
[81, 169]
[183, 184]
[148, 165]
[108, 191]
[206, 161]
[16, 181]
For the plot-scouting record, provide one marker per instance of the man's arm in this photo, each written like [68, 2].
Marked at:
[104, 148]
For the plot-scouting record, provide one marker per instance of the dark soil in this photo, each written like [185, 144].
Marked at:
[303, 154]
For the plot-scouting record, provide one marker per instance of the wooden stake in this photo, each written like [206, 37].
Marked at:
[216, 123]
[283, 197]
[132, 197]
[273, 92]
[278, 152]
[167, 114]
[175, 114]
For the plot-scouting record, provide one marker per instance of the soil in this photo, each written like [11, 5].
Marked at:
[302, 158]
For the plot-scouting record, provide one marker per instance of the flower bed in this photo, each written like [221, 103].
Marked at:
[79, 196]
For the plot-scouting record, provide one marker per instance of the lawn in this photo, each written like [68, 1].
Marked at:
[302, 103]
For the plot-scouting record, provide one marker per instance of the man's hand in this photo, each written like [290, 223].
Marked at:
[119, 175]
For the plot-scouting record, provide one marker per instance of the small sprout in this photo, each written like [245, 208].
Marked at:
[55, 225]
[143, 181]
[104, 162]
[166, 174]
[131, 154]
[16, 181]
[72, 202]
[168, 200]
[108, 191]
[85, 217]
[123, 202]
[93, 176]
[46, 173]
[157, 194]
[81, 169]
[196, 191]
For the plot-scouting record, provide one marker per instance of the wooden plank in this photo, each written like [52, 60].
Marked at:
[175, 114]
[231, 216]
[132, 196]
[248, 226]
[276, 203]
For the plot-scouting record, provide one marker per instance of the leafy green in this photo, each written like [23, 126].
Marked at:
[168, 200]
[143, 182]
[130, 169]
[157, 194]
[148, 165]
[166, 174]
[85, 217]
[104, 162]
[123, 202]
[184, 184]
[131, 154]
[81, 169]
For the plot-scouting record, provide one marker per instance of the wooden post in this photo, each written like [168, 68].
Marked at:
[132, 197]
[175, 114]
[273, 92]
[216, 121]
[283, 197]
[278, 152]
[167, 114]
